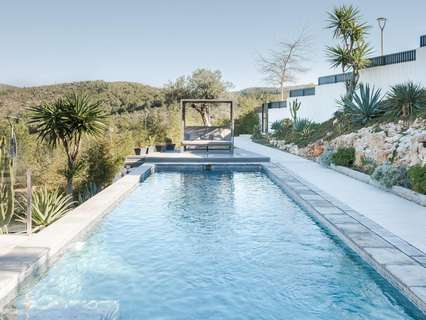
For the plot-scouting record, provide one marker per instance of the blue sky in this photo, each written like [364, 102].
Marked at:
[54, 41]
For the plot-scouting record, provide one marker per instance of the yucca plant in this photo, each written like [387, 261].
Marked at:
[364, 105]
[47, 207]
[352, 51]
[65, 122]
[405, 100]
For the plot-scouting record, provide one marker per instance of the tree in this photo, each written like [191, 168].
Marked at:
[65, 122]
[352, 51]
[282, 65]
[202, 84]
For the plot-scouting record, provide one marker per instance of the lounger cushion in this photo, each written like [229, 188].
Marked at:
[207, 134]
[206, 143]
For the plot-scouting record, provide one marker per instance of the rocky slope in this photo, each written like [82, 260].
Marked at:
[399, 143]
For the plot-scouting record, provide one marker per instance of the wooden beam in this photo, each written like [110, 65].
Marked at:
[182, 105]
[206, 101]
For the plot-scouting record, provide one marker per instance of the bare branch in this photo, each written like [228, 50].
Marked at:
[282, 65]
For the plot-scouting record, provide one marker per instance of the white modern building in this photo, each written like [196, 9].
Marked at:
[318, 102]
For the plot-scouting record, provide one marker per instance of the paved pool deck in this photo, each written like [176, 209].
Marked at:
[403, 218]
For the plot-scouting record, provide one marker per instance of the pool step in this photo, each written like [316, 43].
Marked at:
[69, 310]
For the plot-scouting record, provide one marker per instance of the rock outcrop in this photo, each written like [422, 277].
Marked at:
[394, 142]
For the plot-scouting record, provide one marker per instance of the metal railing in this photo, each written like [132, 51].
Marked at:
[393, 58]
[399, 57]
[310, 91]
[335, 78]
[423, 41]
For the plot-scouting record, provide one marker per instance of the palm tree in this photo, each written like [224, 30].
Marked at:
[65, 122]
[351, 54]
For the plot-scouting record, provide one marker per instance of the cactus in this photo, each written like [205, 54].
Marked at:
[7, 193]
[294, 109]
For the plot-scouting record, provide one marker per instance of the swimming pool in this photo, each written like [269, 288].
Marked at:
[210, 245]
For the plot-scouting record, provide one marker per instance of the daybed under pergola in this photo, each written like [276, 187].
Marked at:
[208, 137]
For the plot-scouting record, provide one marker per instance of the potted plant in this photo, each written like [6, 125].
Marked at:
[159, 147]
[170, 146]
[140, 141]
[138, 151]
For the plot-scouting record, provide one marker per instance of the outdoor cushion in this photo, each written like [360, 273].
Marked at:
[206, 142]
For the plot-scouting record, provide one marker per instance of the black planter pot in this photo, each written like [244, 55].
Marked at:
[137, 151]
[170, 147]
[159, 148]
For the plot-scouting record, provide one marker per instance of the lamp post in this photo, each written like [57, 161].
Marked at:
[382, 23]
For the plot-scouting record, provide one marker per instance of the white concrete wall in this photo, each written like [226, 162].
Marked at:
[322, 105]
[384, 77]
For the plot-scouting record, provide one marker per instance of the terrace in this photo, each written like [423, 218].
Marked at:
[206, 221]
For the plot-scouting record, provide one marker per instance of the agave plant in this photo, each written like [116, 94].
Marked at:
[405, 99]
[47, 207]
[303, 126]
[364, 105]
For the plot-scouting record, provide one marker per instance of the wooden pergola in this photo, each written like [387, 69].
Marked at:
[206, 143]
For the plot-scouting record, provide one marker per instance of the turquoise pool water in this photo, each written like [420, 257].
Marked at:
[210, 246]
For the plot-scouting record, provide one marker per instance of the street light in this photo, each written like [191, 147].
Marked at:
[382, 23]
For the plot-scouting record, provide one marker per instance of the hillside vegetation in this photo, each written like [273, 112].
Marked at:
[137, 115]
[116, 97]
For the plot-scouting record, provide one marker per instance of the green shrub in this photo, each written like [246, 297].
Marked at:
[301, 124]
[282, 127]
[344, 157]
[246, 123]
[325, 158]
[278, 125]
[368, 165]
[100, 163]
[86, 191]
[417, 178]
[388, 175]
[257, 135]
